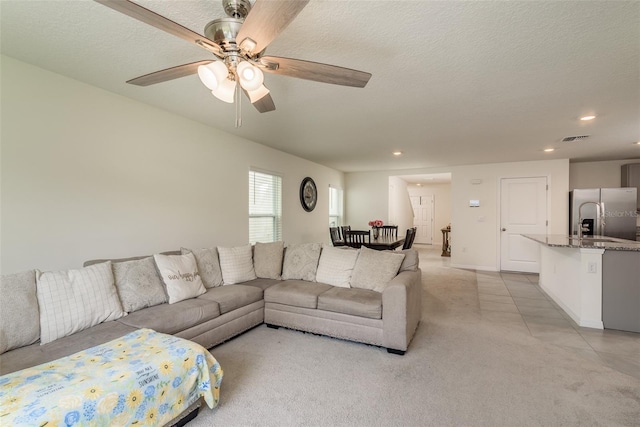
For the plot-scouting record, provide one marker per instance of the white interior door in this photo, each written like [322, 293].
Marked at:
[523, 210]
[423, 207]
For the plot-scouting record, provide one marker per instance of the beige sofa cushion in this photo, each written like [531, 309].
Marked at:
[410, 261]
[73, 300]
[301, 262]
[208, 265]
[173, 318]
[19, 315]
[267, 259]
[232, 297]
[236, 264]
[297, 293]
[374, 269]
[336, 266]
[138, 284]
[357, 302]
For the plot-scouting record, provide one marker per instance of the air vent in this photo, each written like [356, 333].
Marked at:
[575, 138]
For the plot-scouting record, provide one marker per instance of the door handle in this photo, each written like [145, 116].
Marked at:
[504, 229]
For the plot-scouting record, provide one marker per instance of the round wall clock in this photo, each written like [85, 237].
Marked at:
[308, 194]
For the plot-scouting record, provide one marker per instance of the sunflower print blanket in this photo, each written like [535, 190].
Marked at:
[144, 378]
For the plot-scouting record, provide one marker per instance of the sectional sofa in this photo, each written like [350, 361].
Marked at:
[211, 295]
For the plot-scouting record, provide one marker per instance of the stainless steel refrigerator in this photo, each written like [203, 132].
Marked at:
[618, 207]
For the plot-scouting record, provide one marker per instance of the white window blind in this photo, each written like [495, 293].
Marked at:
[265, 207]
[335, 207]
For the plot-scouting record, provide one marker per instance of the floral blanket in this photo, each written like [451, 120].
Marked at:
[144, 378]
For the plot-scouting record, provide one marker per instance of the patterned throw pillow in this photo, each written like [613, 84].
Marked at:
[73, 300]
[180, 276]
[138, 284]
[208, 265]
[19, 315]
[374, 269]
[267, 260]
[336, 265]
[236, 264]
[301, 262]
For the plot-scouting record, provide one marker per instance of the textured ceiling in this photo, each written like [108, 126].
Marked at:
[453, 82]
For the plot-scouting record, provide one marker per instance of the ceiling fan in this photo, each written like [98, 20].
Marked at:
[238, 42]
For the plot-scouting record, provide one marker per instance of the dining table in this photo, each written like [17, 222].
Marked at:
[384, 243]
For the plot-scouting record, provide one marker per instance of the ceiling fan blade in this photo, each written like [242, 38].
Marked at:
[147, 16]
[315, 71]
[264, 104]
[266, 20]
[168, 74]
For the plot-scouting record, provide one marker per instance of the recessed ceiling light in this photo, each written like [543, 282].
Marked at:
[637, 143]
[419, 185]
[548, 150]
[587, 118]
[397, 153]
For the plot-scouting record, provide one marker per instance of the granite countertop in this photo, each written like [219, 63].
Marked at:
[591, 242]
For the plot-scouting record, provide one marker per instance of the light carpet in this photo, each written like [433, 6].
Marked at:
[460, 370]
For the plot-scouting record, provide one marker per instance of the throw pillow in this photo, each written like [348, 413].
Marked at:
[301, 262]
[374, 269]
[19, 314]
[138, 284]
[208, 265]
[267, 260]
[73, 300]
[411, 261]
[236, 264]
[180, 276]
[336, 265]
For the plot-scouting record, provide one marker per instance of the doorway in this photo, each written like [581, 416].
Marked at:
[523, 210]
[423, 211]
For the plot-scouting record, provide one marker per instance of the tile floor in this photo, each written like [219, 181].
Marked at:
[515, 300]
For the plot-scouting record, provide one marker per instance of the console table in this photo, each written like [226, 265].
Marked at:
[446, 246]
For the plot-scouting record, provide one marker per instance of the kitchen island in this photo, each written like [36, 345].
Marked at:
[595, 279]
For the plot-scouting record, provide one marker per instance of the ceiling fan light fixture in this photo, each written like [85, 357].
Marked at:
[250, 76]
[212, 74]
[258, 94]
[225, 91]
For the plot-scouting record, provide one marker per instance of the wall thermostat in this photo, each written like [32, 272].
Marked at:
[474, 203]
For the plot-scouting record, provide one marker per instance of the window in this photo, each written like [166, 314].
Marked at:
[335, 207]
[265, 207]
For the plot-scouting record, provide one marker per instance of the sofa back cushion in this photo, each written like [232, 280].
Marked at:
[19, 315]
[374, 269]
[180, 276]
[138, 283]
[236, 264]
[267, 259]
[301, 262]
[336, 266]
[208, 265]
[74, 300]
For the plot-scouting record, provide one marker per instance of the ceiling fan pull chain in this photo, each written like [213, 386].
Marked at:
[238, 107]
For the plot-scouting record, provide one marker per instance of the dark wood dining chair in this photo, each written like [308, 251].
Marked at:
[389, 231]
[409, 238]
[357, 238]
[335, 236]
[343, 229]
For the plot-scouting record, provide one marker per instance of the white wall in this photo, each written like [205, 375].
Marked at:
[442, 209]
[89, 174]
[606, 174]
[476, 230]
[400, 210]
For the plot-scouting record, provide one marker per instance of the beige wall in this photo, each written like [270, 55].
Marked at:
[475, 231]
[400, 210]
[442, 206]
[90, 174]
[597, 174]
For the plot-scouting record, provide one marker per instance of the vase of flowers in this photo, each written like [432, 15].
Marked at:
[375, 227]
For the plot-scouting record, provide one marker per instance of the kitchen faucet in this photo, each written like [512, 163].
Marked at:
[599, 216]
